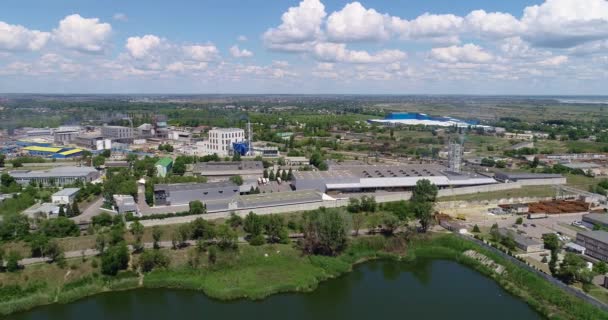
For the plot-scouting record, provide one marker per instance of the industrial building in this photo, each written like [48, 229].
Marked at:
[124, 203]
[530, 178]
[163, 166]
[595, 243]
[65, 196]
[183, 193]
[58, 176]
[406, 118]
[370, 178]
[117, 133]
[52, 152]
[522, 242]
[596, 219]
[93, 142]
[228, 169]
[65, 136]
[221, 140]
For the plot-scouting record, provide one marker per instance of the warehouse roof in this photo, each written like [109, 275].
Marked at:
[68, 171]
[193, 186]
[164, 162]
[581, 165]
[71, 151]
[599, 235]
[278, 198]
[66, 192]
[43, 149]
[228, 166]
[599, 217]
[527, 175]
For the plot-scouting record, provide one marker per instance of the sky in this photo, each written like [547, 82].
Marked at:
[551, 47]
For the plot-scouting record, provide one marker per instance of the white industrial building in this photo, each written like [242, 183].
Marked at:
[221, 140]
[65, 196]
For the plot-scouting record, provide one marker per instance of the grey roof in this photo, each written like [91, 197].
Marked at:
[278, 198]
[68, 171]
[527, 175]
[193, 186]
[518, 238]
[597, 217]
[228, 166]
[66, 192]
[599, 235]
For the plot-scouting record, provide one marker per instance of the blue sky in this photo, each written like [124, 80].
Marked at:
[309, 46]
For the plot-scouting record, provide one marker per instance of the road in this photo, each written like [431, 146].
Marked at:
[90, 211]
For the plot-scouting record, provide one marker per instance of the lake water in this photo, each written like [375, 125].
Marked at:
[380, 289]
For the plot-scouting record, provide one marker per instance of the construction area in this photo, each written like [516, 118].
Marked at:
[558, 206]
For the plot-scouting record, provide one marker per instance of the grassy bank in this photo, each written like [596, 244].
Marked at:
[256, 272]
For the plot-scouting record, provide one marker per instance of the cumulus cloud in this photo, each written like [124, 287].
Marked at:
[83, 34]
[433, 26]
[356, 23]
[241, 38]
[468, 53]
[236, 52]
[337, 52]
[565, 23]
[553, 61]
[201, 52]
[141, 47]
[493, 24]
[19, 38]
[299, 24]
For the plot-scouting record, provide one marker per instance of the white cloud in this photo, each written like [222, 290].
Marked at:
[241, 38]
[493, 24]
[356, 23]
[236, 52]
[141, 47]
[19, 38]
[468, 53]
[203, 53]
[119, 16]
[565, 23]
[181, 67]
[433, 26]
[299, 24]
[337, 52]
[82, 34]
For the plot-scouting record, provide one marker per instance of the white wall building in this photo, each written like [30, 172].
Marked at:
[65, 196]
[221, 140]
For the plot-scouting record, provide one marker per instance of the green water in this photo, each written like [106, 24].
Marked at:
[381, 290]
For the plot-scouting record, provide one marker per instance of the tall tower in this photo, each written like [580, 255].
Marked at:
[249, 139]
[455, 156]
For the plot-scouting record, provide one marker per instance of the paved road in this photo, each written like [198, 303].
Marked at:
[89, 212]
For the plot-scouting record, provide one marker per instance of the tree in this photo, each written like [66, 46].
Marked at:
[14, 226]
[494, 233]
[99, 161]
[390, 223]
[137, 230]
[551, 242]
[289, 175]
[7, 180]
[157, 233]
[238, 180]
[325, 232]
[236, 156]
[54, 252]
[423, 211]
[368, 204]
[571, 267]
[519, 220]
[116, 258]
[61, 211]
[226, 237]
[75, 209]
[152, 259]
[265, 175]
[38, 244]
[253, 224]
[354, 205]
[202, 229]
[196, 207]
[271, 175]
[358, 221]
[273, 227]
[508, 242]
[234, 221]
[424, 191]
[535, 162]
[476, 229]
[600, 268]
[101, 241]
[12, 261]
[183, 235]
[59, 228]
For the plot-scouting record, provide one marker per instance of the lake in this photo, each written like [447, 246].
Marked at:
[427, 289]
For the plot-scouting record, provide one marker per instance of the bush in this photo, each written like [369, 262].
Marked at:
[257, 240]
[152, 259]
[519, 220]
[116, 258]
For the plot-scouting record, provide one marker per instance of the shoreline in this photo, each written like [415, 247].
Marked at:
[542, 296]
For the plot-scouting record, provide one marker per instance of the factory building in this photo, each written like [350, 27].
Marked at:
[530, 178]
[370, 178]
[117, 133]
[163, 166]
[229, 169]
[52, 152]
[65, 136]
[221, 140]
[595, 243]
[183, 193]
[58, 176]
[93, 142]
